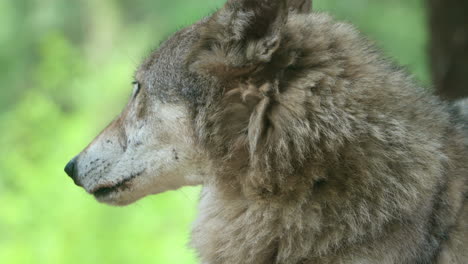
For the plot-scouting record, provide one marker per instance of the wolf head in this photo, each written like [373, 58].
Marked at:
[199, 102]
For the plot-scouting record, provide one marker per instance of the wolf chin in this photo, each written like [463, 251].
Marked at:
[311, 146]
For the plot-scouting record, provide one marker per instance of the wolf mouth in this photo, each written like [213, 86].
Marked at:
[122, 185]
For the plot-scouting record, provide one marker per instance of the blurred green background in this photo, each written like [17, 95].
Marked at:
[65, 72]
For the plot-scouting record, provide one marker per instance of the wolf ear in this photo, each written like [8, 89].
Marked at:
[239, 37]
[300, 6]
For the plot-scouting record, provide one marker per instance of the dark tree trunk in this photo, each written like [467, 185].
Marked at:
[449, 47]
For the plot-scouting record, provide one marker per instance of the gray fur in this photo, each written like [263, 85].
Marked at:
[322, 150]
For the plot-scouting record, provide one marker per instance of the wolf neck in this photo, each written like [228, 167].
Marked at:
[333, 167]
[239, 227]
[331, 203]
[236, 230]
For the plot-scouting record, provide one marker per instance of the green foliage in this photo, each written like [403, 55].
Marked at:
[65, 71]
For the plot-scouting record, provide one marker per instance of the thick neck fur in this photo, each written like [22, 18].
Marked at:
[314, 155]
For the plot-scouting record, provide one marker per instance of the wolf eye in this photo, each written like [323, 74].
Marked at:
[136, 89]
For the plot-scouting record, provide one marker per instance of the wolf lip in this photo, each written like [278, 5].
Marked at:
[101, 192]
[106, 190]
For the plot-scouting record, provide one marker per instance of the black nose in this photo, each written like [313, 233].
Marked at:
[70, 169]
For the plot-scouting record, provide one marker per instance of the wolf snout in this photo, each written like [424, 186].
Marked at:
[71, 170]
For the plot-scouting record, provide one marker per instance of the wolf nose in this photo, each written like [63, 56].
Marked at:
[70, 169]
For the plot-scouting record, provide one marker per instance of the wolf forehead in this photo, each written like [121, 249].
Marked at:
[165, 72]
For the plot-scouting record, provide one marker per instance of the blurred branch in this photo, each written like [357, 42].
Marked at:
[449, 47]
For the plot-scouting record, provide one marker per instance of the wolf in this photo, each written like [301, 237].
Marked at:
[311, 146]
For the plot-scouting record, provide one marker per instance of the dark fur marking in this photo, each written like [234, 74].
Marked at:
[176, 156]
[104, 191]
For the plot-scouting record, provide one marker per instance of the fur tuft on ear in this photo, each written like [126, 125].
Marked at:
[300, 6]
[238, 38]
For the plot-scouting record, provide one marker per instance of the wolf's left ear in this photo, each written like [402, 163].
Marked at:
[300, 6]
[239, 37]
